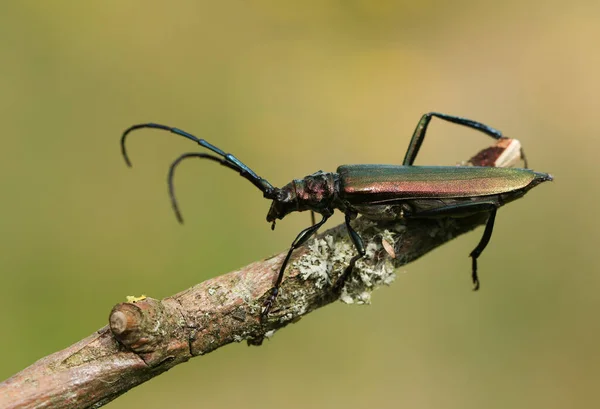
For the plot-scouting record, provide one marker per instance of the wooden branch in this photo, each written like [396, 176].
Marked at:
[148, 337]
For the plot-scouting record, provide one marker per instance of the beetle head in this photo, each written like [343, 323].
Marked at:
[284, 203]
[316, 192]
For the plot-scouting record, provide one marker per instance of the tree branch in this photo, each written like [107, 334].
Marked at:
[148, 337]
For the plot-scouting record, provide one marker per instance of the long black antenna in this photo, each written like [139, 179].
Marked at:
[172, 174]
[227, 159]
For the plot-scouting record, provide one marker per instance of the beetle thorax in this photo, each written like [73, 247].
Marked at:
[317, 192]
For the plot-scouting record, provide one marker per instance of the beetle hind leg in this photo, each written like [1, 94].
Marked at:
[466, 209]
[360, 247]
[421, 130]
[485, 239]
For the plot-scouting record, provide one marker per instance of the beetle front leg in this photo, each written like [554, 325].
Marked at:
[360, 247]
[302, 237]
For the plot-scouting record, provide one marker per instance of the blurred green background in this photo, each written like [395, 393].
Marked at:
[291, 90]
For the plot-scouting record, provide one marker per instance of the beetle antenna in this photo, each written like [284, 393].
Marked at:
[200, 155]
[234, 163]
[268, 190]
[156, 126]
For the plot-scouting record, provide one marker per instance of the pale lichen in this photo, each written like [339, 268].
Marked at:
[328, 257]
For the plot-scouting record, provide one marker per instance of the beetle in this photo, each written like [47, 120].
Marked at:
[378, 192]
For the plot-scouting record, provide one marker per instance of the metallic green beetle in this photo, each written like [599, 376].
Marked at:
[379, 192]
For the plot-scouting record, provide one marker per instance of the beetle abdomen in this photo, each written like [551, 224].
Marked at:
[372, 183]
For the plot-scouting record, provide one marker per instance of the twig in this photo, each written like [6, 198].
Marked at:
[148, 337]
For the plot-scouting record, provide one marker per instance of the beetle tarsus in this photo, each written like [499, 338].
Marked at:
[268, 304]
[485, 239]
[341, 281]
[474, 276]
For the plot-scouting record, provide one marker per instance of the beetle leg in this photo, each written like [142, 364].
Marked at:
[421, 129]
[466, 209]
[525, 164]
[312, 217]
[360, 247]
[453, 210]
[485, 239]
[302, 237]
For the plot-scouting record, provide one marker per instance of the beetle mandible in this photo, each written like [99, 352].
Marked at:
[378, 192]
